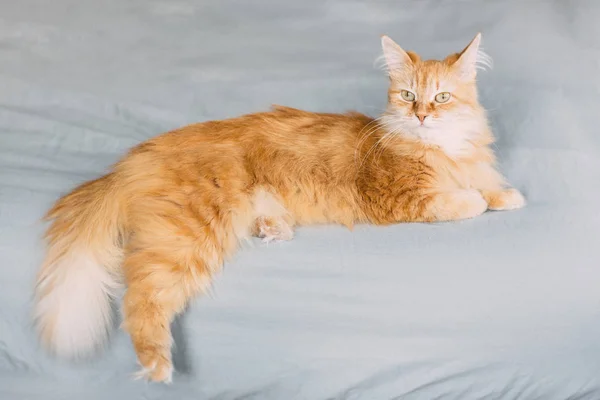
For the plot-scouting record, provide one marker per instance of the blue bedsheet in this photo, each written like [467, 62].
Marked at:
[505, 306]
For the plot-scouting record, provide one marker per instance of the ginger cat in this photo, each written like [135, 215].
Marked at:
[175, 207]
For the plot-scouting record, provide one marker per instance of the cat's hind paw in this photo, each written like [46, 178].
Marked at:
[273, 229]
[156, 370]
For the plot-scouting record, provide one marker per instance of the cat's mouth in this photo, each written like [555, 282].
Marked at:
[423, 126]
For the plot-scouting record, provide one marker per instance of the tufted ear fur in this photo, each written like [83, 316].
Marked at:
[471, 59]
[395, 57]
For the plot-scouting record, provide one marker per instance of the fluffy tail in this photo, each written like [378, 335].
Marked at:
[79, 275]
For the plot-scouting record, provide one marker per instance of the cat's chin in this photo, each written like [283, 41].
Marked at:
[417, 129]
[450, 139]
[422, 132]
[446, 139]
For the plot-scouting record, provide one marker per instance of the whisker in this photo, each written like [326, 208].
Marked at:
[369, 151]
[379, 124]
[391, 136]
[389, 122]
[372, 149]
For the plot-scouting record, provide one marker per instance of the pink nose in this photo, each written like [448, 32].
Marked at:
[422, 118]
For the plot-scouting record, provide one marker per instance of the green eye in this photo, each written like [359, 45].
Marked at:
[442, 97]
[407, 96]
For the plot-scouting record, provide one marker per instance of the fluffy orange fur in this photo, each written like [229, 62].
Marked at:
[175, 207]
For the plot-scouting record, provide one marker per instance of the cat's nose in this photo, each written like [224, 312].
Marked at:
[422, 118]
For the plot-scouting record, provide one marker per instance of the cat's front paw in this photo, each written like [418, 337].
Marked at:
[469, 204]
[509, 199]
[457, 205]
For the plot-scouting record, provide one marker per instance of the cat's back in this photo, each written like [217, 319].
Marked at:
[321, 128]
[281, 123]
[281, 130]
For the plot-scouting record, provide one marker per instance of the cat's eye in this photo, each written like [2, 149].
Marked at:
[407, 96]
[442, 97]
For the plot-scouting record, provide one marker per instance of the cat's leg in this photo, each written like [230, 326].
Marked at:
[437, 206]
[272, 229]
[168, 261]
[449, 205]
[495, 189]
[161, 282]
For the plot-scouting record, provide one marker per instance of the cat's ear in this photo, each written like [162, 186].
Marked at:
[396, 58]
[472, 58]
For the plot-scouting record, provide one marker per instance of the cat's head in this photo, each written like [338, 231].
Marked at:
[435, 101]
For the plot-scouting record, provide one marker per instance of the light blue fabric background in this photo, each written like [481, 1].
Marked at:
[506, 306]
